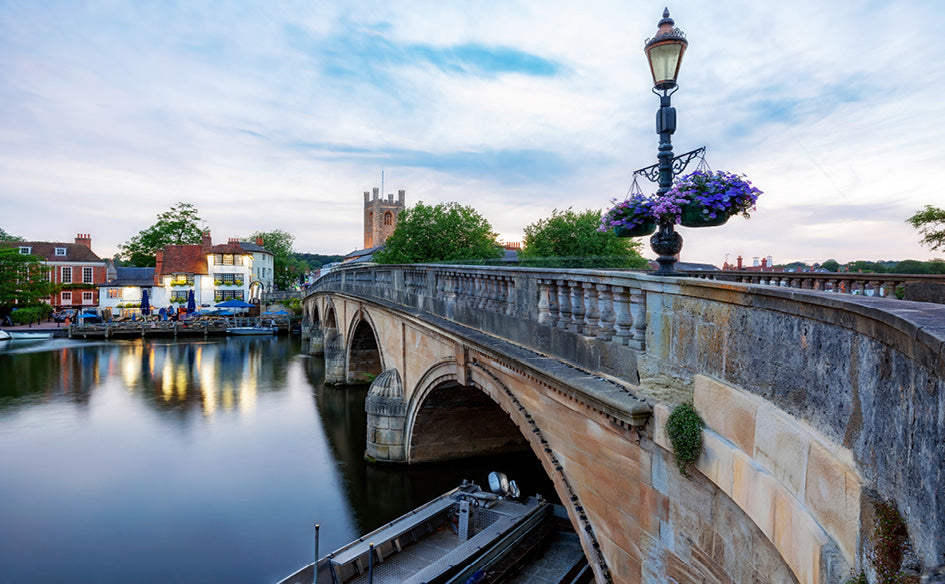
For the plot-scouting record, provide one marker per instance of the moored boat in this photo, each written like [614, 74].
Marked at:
[251, 330]
[28, 336]
[448, 540]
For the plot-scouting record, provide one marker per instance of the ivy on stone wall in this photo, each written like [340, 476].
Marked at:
[684, 428]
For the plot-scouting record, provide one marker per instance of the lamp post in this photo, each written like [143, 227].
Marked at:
[664, 52]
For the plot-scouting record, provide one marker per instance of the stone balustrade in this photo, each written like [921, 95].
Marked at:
[575, 312]
[871, 285]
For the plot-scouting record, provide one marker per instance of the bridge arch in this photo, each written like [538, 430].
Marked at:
[365, 360]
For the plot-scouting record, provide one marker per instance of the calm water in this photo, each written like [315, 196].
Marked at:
[156, 461]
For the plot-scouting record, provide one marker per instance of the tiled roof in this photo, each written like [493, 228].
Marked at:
[227, 248]
[184, 259]
[254, 247]
[132, 277]
[47, 250]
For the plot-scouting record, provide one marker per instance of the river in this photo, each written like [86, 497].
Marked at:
[161, 461]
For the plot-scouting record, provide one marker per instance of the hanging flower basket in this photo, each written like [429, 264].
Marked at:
[695, 215]
[641, 230]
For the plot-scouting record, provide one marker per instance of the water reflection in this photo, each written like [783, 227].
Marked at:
[220, 375]
[216, 457]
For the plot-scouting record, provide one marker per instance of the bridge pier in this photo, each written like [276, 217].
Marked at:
[334, 358]
[316, 340]
[386, 419]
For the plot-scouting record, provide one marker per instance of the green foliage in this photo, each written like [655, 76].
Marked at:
[930, 221]
[176, 226]
[286, 266]
[857, 579]
[568, 239]
[4, 236]
[315, 261]
[831, 265]
[865, 267]
[445, 232]
[24, 279]
[684, 428]
[889, 542]
[31, 314]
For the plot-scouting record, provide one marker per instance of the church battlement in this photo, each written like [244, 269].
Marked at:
[380, 215]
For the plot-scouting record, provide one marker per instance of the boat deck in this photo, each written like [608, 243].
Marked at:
[407, 557]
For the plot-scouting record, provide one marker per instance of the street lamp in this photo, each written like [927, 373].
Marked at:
[664, 52]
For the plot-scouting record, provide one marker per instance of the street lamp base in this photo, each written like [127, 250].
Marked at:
[666, 243]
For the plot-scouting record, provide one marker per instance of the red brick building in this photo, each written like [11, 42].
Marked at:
[74, 265]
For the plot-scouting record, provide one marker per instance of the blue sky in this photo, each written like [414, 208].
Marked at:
[279, 115]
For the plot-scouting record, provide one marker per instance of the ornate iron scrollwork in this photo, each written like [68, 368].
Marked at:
[652, 173]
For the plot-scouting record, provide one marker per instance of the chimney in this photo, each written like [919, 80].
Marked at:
[84, 239]
[207, 242]
[739, 262]
[770, 262]
[754, 261]
[158, 266]
[234, 240]
[111, 274]
[764, 263]
[259, 240]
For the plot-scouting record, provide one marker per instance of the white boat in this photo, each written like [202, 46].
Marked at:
[251, 330]
[448, 540]
[28, 336]
[4, 335]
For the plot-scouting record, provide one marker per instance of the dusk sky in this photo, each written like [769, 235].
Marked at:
[279, 115]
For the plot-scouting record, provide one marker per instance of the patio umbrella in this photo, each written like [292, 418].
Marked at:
[145, 304]
[191, 303]
[276, 313]
[234, 304]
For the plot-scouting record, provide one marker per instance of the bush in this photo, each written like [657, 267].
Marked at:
[26, 315]
[684, 428]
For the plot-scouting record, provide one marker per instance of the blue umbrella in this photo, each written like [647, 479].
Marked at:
[145, 304]
[191, 304]
[234, 304]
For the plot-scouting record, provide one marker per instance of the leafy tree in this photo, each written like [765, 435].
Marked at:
[866, 267]
[571, 239]
[930, 221]
[911, 267]
[176, 226]
[445, 232]
[24, 279]
[4, 236]
[286, 267]
[831, 265]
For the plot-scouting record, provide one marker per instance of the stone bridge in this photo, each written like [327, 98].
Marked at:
[817, 405]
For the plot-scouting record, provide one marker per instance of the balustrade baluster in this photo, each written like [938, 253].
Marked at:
[870, 289]
[591, 310]
[622, 318]
[554, 309]
[544, 305]
[577, 308]
[638, 312]
[510, 296]
[564, 305]
[605, 306]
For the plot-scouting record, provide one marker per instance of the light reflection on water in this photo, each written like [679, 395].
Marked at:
[157, 461]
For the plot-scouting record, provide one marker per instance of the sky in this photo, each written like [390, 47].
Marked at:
[280, 114]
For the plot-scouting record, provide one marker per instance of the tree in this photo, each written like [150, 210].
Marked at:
[4, 236]
[930, 221]
[286, 267]
[177, 226]
[830, 265]
[568, 239]
[866, 267]
[445, 232]
[24, 279]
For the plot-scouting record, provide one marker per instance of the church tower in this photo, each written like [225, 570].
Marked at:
[380, 216]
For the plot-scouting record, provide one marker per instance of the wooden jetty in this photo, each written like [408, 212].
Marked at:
[170, 328]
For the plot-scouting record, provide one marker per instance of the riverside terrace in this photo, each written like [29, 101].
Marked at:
[817, 406]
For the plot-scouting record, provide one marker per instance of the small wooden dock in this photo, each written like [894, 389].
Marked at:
[185, 328]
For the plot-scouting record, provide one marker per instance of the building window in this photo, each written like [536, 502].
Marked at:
[388, 218]
[86, 275]
[26, 250]
[228, 279]
[182, 280]
[221, 295]
[67, 297]
[114, 293]
[60, 251]
[66, 275]
[87, 297]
